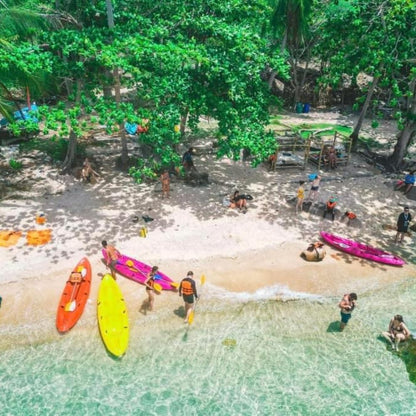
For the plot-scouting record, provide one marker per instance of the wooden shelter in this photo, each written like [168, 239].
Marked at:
[292, 152]
[324, 141]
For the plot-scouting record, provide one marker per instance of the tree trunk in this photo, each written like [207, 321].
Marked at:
[107, 88]
[70, 153]
[124, 150]
[184, 118]
[395, 160]
[72, 145]
[273, 74]
[358, 125]
[117, 93]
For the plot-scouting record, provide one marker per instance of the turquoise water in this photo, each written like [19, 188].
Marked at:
[288, 359]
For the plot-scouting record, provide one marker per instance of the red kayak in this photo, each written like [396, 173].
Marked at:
[74, 296]
[362, 250]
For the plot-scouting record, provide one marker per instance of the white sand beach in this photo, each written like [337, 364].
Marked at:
[254, 252]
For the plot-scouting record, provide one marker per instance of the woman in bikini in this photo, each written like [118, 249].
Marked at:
[398, 332]
[149, 286]
[239, 201]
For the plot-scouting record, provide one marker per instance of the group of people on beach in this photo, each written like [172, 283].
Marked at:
[397, 331]
[187, 287]
[403, 220]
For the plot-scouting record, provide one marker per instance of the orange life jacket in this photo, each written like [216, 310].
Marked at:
[351, 215]
[330, 205]
[187, 288]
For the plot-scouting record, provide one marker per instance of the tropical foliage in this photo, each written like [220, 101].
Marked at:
[177, 60]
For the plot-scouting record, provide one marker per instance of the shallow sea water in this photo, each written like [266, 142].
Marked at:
[288, 359]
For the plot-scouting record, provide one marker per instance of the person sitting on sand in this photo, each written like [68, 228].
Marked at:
[300, 197]
[88, 172]
[330, 207]
[314, 252]
[397, 332]
[408, 182]
[349, 216]
[112, 256]
[239, 201]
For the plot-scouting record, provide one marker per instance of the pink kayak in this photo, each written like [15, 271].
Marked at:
[137, 271]
[362, 250]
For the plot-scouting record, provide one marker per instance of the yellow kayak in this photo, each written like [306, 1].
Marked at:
[112, 316]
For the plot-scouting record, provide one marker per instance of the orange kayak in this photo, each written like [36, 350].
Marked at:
[74, 297]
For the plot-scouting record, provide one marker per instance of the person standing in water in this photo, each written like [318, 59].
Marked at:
[112, 256]
[397, 332]
[187, 289]
[347, 305]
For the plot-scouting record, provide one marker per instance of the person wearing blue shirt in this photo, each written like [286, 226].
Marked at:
[408, 183]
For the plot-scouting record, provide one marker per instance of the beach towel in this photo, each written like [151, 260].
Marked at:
[38, 237]
[9, 238]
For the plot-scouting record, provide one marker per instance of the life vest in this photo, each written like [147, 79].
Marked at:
[351, 215]
[187, 287]
[330, 205]
[150, 283]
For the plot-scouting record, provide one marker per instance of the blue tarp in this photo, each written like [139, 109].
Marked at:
[131, 128]
[27, 115]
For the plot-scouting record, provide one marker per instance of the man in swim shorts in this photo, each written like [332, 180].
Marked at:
[112, 256]
[187, 289]
[347, 305]
[313, 193]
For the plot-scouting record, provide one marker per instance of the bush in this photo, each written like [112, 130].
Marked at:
[55, 147]
[15, 165]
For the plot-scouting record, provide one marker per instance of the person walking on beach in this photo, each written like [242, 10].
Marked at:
[112, 256]
[349, 217]
[187, 161]
[313, 193]
[403, 225]
[165, 179]
[347, 305]
[149, 283]
[300, 197]
[187, 289]
[397, 332]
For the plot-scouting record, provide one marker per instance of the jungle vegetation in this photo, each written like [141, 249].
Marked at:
[165, 63]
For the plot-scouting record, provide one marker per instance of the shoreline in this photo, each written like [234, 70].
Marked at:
[254, 253]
